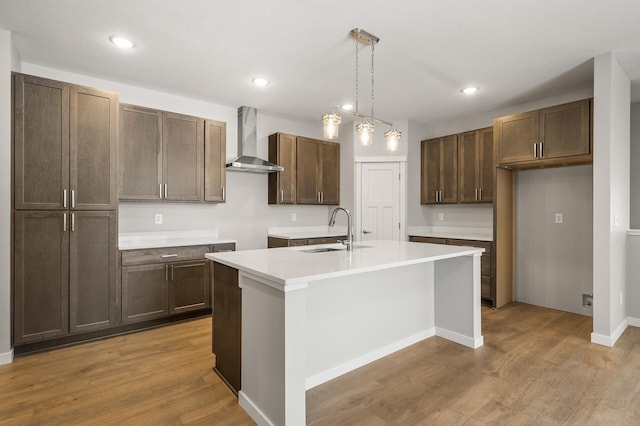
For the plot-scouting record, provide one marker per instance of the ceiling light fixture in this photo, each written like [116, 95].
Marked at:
[365, 129]
[121, 42]
[260, 82]
[469, 90]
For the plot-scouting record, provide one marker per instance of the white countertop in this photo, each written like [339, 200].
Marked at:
[291, 265]
[143, 240]
[461, 233]
[301, 232]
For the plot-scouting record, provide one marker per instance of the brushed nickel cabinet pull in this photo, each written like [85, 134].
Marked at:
[64, 198]
[73, 222]
[436, 196]
[476, 194]
[73, 198]
[171, 272]
[160, 190]
[541, 150]
[165, 191]
[535, 150]
[167, 256]
[223, 194]
[480, 194]
[282, 195]
[166, 272]
[64, 222]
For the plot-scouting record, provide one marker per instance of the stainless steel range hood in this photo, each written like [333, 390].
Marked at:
[247, 160]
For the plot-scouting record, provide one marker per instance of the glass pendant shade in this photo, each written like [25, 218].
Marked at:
[365, 129]
[331, 123]
[393, 139]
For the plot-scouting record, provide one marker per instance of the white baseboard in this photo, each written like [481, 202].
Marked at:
[6, 357]
[253, 411]
[609, 341]
[633, 322]
[462, 339]
[332, 373]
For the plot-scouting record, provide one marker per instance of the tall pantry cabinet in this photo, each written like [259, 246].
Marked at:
[64, 209]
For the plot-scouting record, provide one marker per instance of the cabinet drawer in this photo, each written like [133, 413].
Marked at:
[219, 248]
[486, 245]
[326, 240]
[431, 240]
[163, 255]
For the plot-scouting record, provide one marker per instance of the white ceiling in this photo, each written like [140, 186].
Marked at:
[515, 50]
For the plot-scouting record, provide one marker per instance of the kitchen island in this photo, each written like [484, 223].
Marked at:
[310, 314]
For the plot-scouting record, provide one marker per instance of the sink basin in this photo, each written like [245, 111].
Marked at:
[326, 249]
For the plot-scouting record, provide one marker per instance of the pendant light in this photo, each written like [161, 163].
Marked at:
[331, 120]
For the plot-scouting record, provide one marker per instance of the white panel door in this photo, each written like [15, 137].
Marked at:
[380, 201]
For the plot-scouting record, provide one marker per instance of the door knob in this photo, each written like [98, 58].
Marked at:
[364, 231]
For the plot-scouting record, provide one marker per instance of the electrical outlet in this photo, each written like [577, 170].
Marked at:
[157, 219]
[587, 300]
[293, 217]
[440, 217]
[559, 218]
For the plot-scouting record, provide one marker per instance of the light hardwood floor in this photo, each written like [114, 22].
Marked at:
[537, 367]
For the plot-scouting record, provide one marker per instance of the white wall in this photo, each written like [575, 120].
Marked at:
[246, 215]
[7, 57]
[635, 169]
[553, 261]
[611, 180]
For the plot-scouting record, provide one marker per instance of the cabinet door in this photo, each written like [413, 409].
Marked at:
[565, 130]
[140, 155]
[517, 136]
[92, 148]
[308, 171]
[227, 324]
[41, 143]
[92, 271]
[487, 169]
[330, 170]
[468, 166]
[449, 169]
[282, 185]
[430, 171]
[215, 157]
[182, 154]
[188, 286]
[41, 275]
[144, 292]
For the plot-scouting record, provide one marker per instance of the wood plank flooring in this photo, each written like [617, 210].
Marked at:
[537, 367]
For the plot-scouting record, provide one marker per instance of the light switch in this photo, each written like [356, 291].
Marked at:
[559, 218]
[293, 217]
[440, 217]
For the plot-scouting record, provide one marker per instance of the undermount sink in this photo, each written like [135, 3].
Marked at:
[326, 249]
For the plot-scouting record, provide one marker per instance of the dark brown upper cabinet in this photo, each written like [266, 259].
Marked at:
[552, 136]
[171, 157]
[317, 172]
[476, 166]
[64, 146]
[439, 170]
[215, 156]
[282, 185]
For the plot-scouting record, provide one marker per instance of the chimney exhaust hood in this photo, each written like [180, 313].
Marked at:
[247, 160]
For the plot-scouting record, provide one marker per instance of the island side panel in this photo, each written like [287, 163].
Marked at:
[357, 319]
[457, 300]
[273, 352]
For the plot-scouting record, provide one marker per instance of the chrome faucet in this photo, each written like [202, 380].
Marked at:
[332, 221]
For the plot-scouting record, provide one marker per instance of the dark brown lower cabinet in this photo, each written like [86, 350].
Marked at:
[227, 324]
[144, 293]
[64, 273]
[189, 287]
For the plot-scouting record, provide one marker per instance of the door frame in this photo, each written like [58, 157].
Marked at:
[402, 167]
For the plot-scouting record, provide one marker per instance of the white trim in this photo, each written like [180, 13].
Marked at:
[389, 159]
[633, 322]
[252, 410]
[332, 373]
[609, 341]
[6, 357]
[460, 338]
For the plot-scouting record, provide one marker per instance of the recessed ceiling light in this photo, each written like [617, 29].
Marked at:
[121, 42]
[469, 90]
[348, 107]
[260, 82]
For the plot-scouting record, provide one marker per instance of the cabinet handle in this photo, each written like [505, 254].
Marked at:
[223, 194]
[476, 198]
[535, 150]
[64, 222]
[166, 272]
[480, 195]
[318, 196]
[322, 197]
[64, 198]
[282, 195]
[165, 191]
[166, 256]
[171, 272]
[73, 198]
[160, 190]
[436, 196]
[541, 150]
[73, 222]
